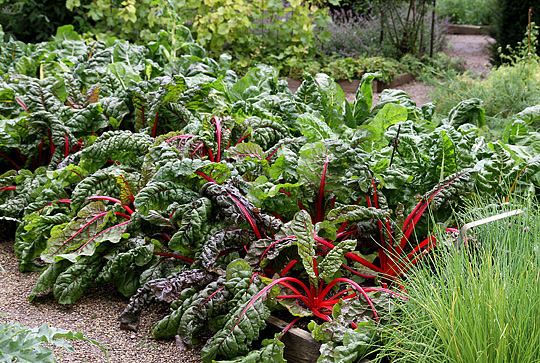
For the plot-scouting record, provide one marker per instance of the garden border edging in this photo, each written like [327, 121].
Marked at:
[352, 86]
[300, 347]
[468, 29]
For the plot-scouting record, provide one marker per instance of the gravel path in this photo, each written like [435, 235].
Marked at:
[95, 315]
[474, 49]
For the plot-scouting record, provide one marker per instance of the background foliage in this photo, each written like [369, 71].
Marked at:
[470, 12]
[44, 17]
[294, 37]
[509, 29]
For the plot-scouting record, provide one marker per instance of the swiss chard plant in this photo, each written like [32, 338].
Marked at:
[228, 198]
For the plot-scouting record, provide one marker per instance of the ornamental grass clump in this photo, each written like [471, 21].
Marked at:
[476, 303]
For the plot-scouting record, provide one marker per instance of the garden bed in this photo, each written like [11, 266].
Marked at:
[159, 189]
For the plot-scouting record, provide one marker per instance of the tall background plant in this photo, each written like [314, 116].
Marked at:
[477, 301]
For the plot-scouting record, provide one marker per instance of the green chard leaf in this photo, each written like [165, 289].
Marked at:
[271, 351]
[124, 147]
[192, 316]
[71, 283]
[303, 230]
[73, 239]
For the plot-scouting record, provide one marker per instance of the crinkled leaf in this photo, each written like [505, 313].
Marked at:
[468, 111]
[360, 109]
[263, 250]
[530, 114]
[103, 181]
[165, 289]
[333, 99]
[389, 115]
[266, 132]
[271, 351]
[88, 223]
[314, 129]
[194, 225]
[242, 328]
[32, 237]
[48, 277]
[355, 213]
[159, 195]
[223, 241]
[246, 150]
[303, 230]
[125, 147]
[71, 283]
[334, 259]
[122, 269]
[192, 316]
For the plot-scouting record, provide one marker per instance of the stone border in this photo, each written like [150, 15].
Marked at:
[468, 29]
[352, 86]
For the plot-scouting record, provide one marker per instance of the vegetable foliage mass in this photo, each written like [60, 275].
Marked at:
[230, 198]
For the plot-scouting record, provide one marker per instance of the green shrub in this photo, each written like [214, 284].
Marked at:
[505, 91]
[44, 17]
[440, 66]
[138, 21]
[405, 26]
[470, 12]
[352, 35]
[247, 28]
[387, 30]
[509, 28]
[353, 68]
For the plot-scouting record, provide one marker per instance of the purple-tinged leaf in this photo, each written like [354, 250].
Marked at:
[165, 289]
[112, 234]
[69, 237]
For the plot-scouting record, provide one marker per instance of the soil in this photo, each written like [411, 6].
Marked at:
[96, 314]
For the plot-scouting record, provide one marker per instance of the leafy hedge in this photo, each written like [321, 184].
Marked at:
[155, 168]
[512, 20]
[45, 17]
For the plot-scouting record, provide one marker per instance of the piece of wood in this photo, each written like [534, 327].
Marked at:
[398, 80]
[349, 87]
[352, 86]
[468, 29]
[294, 84]
[300, 347]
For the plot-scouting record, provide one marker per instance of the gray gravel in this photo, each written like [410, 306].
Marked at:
[95, 315]
[474, 49]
